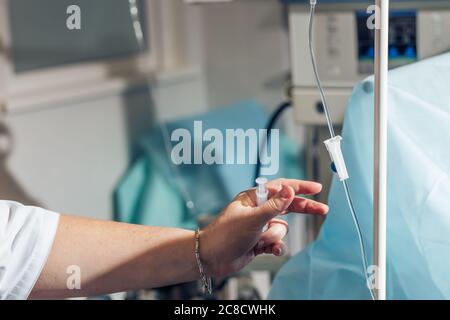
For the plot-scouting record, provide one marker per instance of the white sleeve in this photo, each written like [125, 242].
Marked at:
[26, 238]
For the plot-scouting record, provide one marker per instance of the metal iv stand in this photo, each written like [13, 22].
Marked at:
[380, 144]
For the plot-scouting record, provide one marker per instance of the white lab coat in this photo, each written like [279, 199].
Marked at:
[26, 238]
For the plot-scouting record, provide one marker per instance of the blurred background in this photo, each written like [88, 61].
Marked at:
[84, 114]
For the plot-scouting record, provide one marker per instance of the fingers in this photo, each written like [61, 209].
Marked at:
[277, 230]
[299, 186]
[282, 199]
[277, 249]
[302, 205]
[271, 240]
[277, 204]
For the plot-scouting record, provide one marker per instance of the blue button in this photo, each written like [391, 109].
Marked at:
[333, 167]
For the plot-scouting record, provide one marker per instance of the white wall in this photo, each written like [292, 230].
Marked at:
[246, 51]
[70, 157]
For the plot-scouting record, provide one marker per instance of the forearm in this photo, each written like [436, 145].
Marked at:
[114, 257]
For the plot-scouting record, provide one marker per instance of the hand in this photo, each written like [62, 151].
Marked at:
[232, 240]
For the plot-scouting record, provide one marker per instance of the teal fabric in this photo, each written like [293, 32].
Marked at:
[418, 243]
[146, 197]
[148, 193]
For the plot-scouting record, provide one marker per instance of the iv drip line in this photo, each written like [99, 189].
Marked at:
[332, 135]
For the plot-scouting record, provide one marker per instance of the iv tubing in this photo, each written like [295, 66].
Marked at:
[332, 134]
[316, 73]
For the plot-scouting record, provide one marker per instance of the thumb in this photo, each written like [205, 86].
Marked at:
[277, 204]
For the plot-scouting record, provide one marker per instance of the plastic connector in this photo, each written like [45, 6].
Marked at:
[261, 190]
[333, 146]
[261, 195]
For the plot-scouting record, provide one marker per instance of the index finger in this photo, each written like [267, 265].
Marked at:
[299, 186]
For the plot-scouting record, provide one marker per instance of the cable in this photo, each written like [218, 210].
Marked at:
[270, 124]
[358, 228]
[316, 73]
[332, 134]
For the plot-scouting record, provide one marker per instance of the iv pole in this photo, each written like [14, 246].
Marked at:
[380, 144]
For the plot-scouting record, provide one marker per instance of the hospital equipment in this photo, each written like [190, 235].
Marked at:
[339, 72]
[418, 245]
[345, 50]
[261, 194]
[333, 145]
[261, 190]
[345, 56]
[381, 65]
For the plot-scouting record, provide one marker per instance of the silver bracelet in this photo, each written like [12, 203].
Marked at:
[206, 281]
